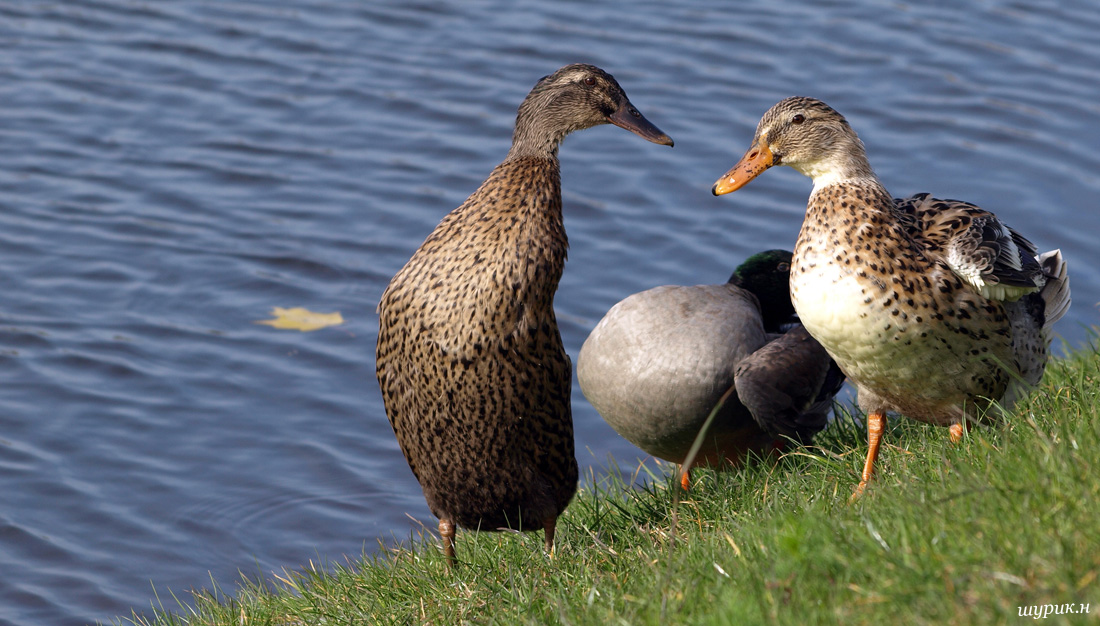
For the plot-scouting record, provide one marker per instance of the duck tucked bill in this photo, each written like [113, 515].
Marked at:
[659, 361]
[933, 308]
[469, 359]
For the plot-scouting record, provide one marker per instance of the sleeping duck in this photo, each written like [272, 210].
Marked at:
[659, 361]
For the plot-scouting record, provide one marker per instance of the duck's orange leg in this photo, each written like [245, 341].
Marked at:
[685, 478]
[957, 430]
[876, 423]
[447, 534]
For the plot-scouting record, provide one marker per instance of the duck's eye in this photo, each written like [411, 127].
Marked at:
[798, 119]
[589, 81]
[783, 267]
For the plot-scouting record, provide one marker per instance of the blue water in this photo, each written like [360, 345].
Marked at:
[170, 171]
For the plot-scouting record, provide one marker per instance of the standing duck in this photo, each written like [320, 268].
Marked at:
[473, 373]
[659, 361]
[933, 308]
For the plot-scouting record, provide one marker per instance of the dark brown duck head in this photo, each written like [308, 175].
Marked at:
[573, 98]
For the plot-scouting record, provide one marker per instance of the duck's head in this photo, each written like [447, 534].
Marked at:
[805, 134]
[767, 276]
[573, 98]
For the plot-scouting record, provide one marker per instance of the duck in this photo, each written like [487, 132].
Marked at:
[934, 309]
[470, 362]
[656, 365]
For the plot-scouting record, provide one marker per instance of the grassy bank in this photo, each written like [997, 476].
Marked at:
[949, 534]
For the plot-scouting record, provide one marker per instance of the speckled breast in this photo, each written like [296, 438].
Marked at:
[898, 357]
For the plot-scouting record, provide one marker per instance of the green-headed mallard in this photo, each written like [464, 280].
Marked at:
[471, 365]
[934, 308]
[657, 363]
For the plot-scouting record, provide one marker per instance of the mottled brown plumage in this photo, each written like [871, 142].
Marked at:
[470, 362]
[933, 308]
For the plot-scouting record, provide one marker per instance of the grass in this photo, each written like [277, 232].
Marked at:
[948, 534]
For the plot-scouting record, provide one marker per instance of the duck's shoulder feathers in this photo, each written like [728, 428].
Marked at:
[998, 262]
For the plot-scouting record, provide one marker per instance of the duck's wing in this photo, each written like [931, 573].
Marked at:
[788, 385]
[998, 262]
[1055, 293]
[823, 403]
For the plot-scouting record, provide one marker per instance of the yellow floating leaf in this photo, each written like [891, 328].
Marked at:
[301, 319]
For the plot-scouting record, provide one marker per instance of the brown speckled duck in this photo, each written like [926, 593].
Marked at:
[933, 308]
[659, 361]
[473, 373]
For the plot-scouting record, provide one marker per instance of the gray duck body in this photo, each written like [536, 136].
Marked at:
[473, 374]
[659, 361]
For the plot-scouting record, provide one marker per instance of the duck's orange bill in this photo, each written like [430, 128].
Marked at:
[755, 161]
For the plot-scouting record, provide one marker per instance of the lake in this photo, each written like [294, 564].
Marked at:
[171, 171]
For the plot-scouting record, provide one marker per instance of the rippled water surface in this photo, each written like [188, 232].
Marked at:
[170, 171]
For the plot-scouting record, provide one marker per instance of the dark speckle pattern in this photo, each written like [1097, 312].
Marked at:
[473, 374]
[933, 308]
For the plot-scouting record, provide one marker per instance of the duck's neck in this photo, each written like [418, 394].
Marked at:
[534, 145]
[848, 202]
[538, 133]
[525, 202]
[845, 162]
[509, 241]
[534, 240]
[831, 177]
